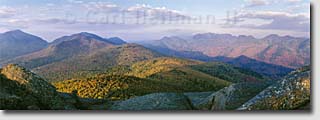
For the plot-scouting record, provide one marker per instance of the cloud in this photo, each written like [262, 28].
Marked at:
[75, 1]
[157, 12]
[105, 12]
[255, 3]
[12, 23]
[6, 12]
[93, 13]
[54, 21]
[279, 20]
[50, 4]
[294, 1]
[102, 7]
[298, 7]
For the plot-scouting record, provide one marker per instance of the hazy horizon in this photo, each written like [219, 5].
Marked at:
[135, 20]
[132, 41]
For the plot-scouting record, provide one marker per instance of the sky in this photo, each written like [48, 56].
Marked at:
[135, 20]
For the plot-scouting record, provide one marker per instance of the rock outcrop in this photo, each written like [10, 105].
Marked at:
[235, 95]
[156, 101]
[201, 100]
[22, 89]
[228, 98]
[292, 92]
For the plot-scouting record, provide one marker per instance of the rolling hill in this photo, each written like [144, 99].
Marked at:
[147, 68]
[229, 73]
[95, 62]
[166, 66]
[163, 74]
[188, 73]
[149, 76]
[113, 87]
[263, 68]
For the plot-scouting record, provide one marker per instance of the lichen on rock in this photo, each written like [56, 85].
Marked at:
[292, 92]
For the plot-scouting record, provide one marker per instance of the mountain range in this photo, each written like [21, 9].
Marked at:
[205, 71]
[292, 52]
[83, 54]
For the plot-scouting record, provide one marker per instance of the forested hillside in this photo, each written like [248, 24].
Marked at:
[162, 74]
[96, 62]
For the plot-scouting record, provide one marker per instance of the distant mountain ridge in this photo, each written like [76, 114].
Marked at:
[77, 36]
[203, 72]
[82, 52]
[16, 43]
[86, 53]
[88, 36]
[116, 41]
[270, 70]
[287, 51]
[261, 67]
[60, 49]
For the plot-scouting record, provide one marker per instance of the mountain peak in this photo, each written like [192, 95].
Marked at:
[78, 36]
[116, 41]
[212, 36]
[87, 34]
[243, 56]
[15, 43]
[15, 33]
[90, 36]
[165, 38]
[272, 36]
[115, 38]
[19, 34]
[246, 37]
[278, 37]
